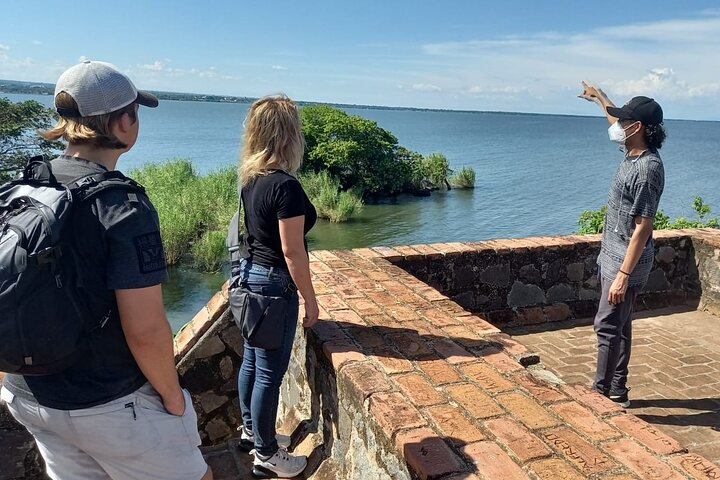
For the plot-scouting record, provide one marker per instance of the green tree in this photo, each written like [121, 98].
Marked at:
[19, 123]
[356, 151]
[436, 169]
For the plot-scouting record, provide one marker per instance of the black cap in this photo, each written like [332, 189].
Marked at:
[643, 109]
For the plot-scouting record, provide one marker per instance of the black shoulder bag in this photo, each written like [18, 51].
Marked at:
[260, 318]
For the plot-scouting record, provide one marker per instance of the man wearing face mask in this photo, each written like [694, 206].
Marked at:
[627, 249]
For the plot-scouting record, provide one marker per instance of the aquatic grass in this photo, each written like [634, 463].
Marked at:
[463, 178]
[209, 251]
[331, 203]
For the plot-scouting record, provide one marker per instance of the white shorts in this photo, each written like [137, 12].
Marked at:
[133, 437]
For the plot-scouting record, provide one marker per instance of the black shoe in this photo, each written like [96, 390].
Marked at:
[620, 397]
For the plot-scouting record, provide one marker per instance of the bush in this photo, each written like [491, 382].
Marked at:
[436, 169]
[209, 252]
[592, 221]
[463, 178]
[330, 203]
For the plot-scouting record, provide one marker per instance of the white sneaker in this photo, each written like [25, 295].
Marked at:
[280, 465]
[247, 440]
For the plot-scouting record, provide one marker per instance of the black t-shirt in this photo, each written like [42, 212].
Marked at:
[267, 199]
[118, 246]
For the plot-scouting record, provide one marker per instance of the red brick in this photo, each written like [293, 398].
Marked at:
[328, 330]
[479, 324]
[454, 425]
[448, 306]
[492, 462]
[332, 302]
[697, 467]
[410, 344]
[464, 335]
[510, 345]
[366, 253]
[394, 412]
[474, 400]
[419, 390]
[557, 312]
[648, 435]
[541, 391]
[585, 421]
[527, 410]
[323, 255]
[366, 338]
[431, 294]
[185, 339]
[452, 352]
[424, 328]
[597, 402]
[401, 313]
[584, 456]
[388, 253]
[408, 252]
[364, 380]
[530, 316]
[385, 299]
[502, 362]
[427, 250]
[427, 454]
[439, 371]
[364, 306]
[517, 438]
[438, 317]
[463, 476]
[487, 377]
[340, 352]
[554, 469]
[640, 461]
[349, 291]
[217, 305]
[319, 267]
[377, 275]
[347, 316]
[391, 360]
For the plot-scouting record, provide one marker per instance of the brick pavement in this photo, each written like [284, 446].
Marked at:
[674, 370]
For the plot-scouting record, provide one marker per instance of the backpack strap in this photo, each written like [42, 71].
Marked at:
[88, 186]
[38, 169]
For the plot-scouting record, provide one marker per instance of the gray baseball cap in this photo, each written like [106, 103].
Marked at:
[99, 88]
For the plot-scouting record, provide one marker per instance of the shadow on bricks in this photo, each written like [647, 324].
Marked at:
[708, 411]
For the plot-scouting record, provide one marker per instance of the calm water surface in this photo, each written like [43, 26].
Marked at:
[535, 174]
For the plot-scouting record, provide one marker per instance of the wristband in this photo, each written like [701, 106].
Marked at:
[624, 273]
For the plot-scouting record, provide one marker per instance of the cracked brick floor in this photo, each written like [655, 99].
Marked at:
[674, 370]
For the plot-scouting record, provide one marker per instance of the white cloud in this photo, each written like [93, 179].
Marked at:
[37, 42]
[82, 58]
[4, 49]
[426, 87]
[279, 67]
[492, 90]
[156, 66]
[664, 82]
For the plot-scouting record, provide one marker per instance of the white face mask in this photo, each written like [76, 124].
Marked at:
[617, 133]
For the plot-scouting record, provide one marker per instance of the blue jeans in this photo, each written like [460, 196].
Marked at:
[262, 371]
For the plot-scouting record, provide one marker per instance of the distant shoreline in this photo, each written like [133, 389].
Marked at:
[40, 88]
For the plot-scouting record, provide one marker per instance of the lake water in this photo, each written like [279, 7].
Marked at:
[534, 175]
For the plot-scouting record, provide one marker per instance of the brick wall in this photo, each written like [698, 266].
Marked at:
[400, 381]
[536, 280]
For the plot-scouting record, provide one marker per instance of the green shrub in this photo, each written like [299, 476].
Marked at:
[209, 251]
[330, 203]
[463, 178]
[592, 221]
[436, 169]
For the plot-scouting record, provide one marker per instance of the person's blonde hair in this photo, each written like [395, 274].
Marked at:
[273, 138]
[95, 130]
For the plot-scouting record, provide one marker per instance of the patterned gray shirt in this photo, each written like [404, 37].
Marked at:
[635, 191]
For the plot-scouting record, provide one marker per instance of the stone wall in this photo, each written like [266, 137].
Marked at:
[536, 280]
[707, 257]
[402, 380]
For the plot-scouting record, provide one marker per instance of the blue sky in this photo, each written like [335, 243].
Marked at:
[527, 55]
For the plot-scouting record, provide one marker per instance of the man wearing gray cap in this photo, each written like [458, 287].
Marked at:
[627, 250]
[119, 412]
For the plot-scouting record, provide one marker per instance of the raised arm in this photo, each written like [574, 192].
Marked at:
[592, 93]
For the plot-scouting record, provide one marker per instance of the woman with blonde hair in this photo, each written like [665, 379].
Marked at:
[274, 262]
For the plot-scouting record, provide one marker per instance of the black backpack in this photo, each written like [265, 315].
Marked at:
[44, 321]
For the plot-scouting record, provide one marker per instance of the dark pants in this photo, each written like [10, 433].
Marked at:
[262, 371]
[613, 327]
